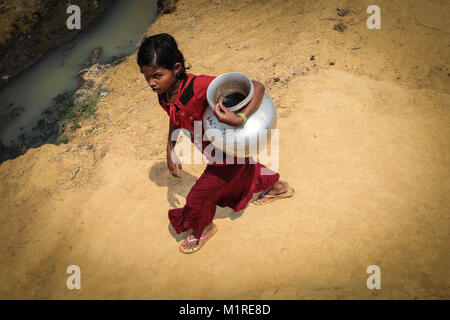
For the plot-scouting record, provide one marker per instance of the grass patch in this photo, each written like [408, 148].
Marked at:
[78, 112]
[70, 115]
[62, 139]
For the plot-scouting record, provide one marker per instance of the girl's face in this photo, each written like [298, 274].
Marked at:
[160, 79]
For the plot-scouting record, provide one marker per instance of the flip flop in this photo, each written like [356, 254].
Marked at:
[272, 197]
[187, 251]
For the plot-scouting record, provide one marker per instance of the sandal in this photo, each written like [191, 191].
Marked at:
[272, 197]
[188, 251]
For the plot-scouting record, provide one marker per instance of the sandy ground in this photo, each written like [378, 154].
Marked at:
[365, 142]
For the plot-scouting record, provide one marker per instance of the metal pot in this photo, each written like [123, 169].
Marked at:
[243, 141]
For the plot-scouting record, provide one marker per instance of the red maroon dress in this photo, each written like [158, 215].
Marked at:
[225, 185]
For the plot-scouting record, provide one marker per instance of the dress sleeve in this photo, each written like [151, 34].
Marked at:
[201, 86]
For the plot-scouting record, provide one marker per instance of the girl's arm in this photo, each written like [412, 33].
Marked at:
[170, 143]
[230, 117]
[172, 164]
[258, 95]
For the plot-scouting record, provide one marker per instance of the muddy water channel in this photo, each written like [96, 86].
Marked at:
[28, 102]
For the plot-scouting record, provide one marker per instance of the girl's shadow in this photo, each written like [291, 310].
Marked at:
[159, 173]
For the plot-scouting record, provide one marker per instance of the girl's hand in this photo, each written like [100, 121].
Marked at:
[226, 116]
[172, 165]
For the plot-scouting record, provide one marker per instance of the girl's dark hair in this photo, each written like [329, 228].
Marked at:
[162, 50]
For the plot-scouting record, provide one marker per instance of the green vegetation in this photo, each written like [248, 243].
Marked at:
[62, 139]
[78, 112]
[71, 114]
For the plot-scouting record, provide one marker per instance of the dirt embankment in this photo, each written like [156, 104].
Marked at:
[364, 134]
[29, 28]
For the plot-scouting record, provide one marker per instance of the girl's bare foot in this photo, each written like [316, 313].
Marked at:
[194, 243]
[279, 188]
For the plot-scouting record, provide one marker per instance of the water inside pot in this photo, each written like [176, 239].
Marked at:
[232, 99]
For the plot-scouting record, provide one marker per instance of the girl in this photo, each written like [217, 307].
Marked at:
[183, 96]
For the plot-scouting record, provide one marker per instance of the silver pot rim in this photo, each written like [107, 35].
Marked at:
[220, 79]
